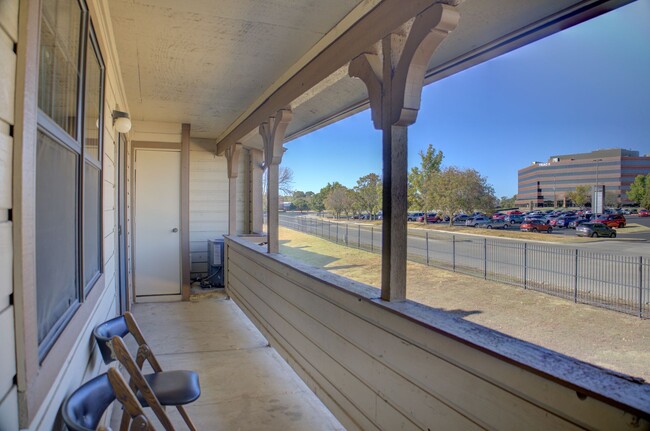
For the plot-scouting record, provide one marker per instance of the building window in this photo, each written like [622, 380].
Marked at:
[68, 166]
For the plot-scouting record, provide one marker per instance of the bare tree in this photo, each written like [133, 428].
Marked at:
[285, 183]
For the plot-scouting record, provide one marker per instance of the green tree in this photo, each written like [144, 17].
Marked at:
[580, 196]
[338, 200]
[301, 204]
[640, 190]
[367, 193]
[506, 202]
[317, 202]
[611, 199]
[420, 179]
[457, 190]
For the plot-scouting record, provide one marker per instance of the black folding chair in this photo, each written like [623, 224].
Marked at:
[155, 390]
[84, 408]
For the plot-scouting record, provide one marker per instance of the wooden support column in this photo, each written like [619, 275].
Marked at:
[185, 211]
[273, 135]
[393, 72]
[254, 192]
[232, 157]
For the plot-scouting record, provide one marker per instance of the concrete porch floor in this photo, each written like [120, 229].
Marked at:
[245, 384]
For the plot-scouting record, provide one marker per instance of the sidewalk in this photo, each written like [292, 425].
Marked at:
[606, 338]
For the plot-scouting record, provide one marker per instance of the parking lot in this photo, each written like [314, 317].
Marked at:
[642, 232]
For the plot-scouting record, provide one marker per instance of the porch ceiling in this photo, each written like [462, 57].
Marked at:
[204, 62]
[212, 64]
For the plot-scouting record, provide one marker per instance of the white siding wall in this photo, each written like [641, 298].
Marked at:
[402, 366]
[8, 37]
[208, 201]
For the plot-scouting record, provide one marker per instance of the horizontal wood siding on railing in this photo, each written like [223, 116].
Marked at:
[377, 369]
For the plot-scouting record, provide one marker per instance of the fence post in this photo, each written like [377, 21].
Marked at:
[641, 286]
[485, 258]
[337, 233]
[358, 236]
[346, 234]
[427, 240]
[372, 239]
[453, 252]
[525, 265]
[575, 282]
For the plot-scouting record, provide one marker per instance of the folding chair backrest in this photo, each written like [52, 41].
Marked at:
[84, 408]
[105, 332]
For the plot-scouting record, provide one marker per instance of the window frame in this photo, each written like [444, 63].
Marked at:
[37, 371]
[48, 126]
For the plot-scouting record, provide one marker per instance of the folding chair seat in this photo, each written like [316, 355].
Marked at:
[155, 390]
[84, 408]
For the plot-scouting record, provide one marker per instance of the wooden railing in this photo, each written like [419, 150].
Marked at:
[380, 365]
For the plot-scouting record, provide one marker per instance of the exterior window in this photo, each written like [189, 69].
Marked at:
[92, 171]
[68, 166]
[56, 233]
[61, 28]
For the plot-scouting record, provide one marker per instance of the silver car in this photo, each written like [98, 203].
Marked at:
[493, 224]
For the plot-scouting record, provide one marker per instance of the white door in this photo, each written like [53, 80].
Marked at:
[157, 223]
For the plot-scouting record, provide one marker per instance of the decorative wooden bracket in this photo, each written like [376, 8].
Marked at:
[273, 135]
[393, 72]
[232, 157]
[404, 59]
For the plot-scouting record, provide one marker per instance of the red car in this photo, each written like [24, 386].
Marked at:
[612, 220]
[643, 213]
[515, 212]
[431, 218]
[535, 226]
[498, 216]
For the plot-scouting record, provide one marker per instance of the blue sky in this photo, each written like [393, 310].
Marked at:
[580, 90]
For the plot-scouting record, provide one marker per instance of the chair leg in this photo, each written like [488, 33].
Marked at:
[126, 420]
[186, 418]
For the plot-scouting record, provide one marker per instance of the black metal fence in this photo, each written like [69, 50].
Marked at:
[608, 280]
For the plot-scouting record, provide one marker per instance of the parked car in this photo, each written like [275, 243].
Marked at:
[498, 216]
[514, 212]
[564, 221]
[460, 218]
[431, 218]
[536, 217]
[493, 224]
[643, 212]
[577, 222]
[535, 225]
[514, 218]
[475, 221]
[414, 216]
[595, 229]
[612, 220]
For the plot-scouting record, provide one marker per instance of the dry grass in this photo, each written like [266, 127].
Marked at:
[606, 338]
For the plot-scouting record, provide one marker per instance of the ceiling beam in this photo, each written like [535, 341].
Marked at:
[382, 20]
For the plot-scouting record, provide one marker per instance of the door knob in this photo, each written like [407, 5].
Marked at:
[175, 230]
